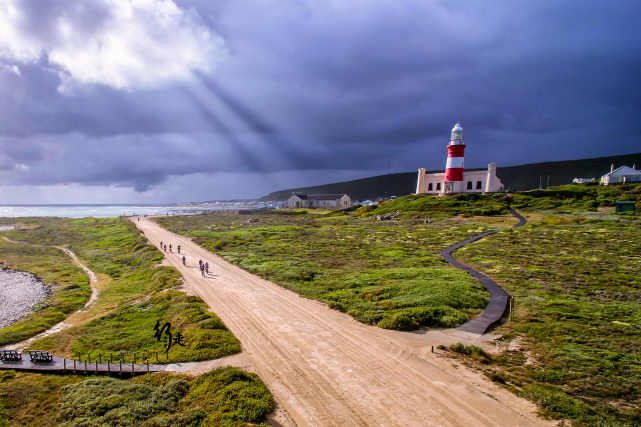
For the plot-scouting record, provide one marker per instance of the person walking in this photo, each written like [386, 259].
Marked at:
[184, 262]
[165, 247]
[202, 270]
[207, 267]
[170, 247]
[178, 248]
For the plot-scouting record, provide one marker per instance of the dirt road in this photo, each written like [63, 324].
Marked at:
[324, 368]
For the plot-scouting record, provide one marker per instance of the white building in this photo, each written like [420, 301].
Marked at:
[455, 179]
[621, 175]
[331, 201]
[583, 180]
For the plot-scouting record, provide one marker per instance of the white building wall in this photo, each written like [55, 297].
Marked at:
[484, 181]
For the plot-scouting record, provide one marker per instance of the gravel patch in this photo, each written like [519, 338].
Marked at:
[19, 293]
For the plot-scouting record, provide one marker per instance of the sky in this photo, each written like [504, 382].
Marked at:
[130, 101]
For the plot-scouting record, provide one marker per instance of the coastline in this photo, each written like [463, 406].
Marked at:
[20, 292]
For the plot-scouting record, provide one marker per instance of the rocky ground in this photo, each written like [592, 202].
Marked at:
[19, 293]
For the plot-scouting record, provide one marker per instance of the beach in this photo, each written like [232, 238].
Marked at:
[19, 293]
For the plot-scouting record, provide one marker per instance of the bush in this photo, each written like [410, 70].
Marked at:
[472, 351]
[402, 321]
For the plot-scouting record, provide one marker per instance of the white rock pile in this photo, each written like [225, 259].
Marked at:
[19, 293]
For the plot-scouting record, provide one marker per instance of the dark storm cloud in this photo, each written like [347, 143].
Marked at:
[335, 86]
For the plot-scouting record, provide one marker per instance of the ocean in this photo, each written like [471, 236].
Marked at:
[110, 211]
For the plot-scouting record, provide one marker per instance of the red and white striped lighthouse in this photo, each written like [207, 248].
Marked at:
[454, 166]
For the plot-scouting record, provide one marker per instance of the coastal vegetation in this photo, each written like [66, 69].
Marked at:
[225, 396]
[136, 293]
[68, 285]
[566, 198]
[386, 273]
[578, 314]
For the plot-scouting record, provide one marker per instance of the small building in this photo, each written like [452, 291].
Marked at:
[625, 206]
[583, 180]
[621, 175]
[327, 201]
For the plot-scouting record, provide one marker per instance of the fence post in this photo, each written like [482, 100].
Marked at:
[85, 366]
[120, 367]
[147, 360]
[96, 366]
[108, 367]
[134, 357]
[64, 364]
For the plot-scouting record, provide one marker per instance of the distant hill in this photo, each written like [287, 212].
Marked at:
[514, 178]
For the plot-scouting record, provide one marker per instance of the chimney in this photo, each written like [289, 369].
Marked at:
[612, 168]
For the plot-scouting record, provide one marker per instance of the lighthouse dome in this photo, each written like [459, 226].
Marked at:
[457, 131]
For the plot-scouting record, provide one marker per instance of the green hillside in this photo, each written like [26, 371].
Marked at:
[514, 178]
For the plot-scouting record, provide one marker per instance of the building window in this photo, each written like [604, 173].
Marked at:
[438, 186]
[479, 185]
[429, 187]
[469, 185]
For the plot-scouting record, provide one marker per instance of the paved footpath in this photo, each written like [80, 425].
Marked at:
[497, 306]
[326, 369]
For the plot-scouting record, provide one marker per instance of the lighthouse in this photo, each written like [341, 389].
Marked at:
[454, 167]
[455, 179]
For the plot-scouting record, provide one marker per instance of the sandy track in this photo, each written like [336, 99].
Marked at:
[324, 368]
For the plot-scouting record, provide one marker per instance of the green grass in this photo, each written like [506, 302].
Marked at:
[574, 197]
[225, 397]
[136, 293]
[578, 296]
[69, 288]
[388, 274]
[470, 204]
[130, 329]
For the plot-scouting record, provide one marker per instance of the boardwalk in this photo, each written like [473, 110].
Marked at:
[495, 310]
[60, 365]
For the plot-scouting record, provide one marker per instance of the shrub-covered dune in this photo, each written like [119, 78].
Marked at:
[225, 397]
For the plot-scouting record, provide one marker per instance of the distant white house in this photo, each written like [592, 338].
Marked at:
[583, 180]
[331, 201]
[621, 175]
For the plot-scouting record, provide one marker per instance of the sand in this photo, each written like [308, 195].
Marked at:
[324, 368]
[20, 292]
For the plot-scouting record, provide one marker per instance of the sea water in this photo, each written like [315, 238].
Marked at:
[109, 211]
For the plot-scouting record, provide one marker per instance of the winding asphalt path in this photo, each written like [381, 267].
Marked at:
[499, 298]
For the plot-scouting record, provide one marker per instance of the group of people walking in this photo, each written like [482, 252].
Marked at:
[203, 265]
